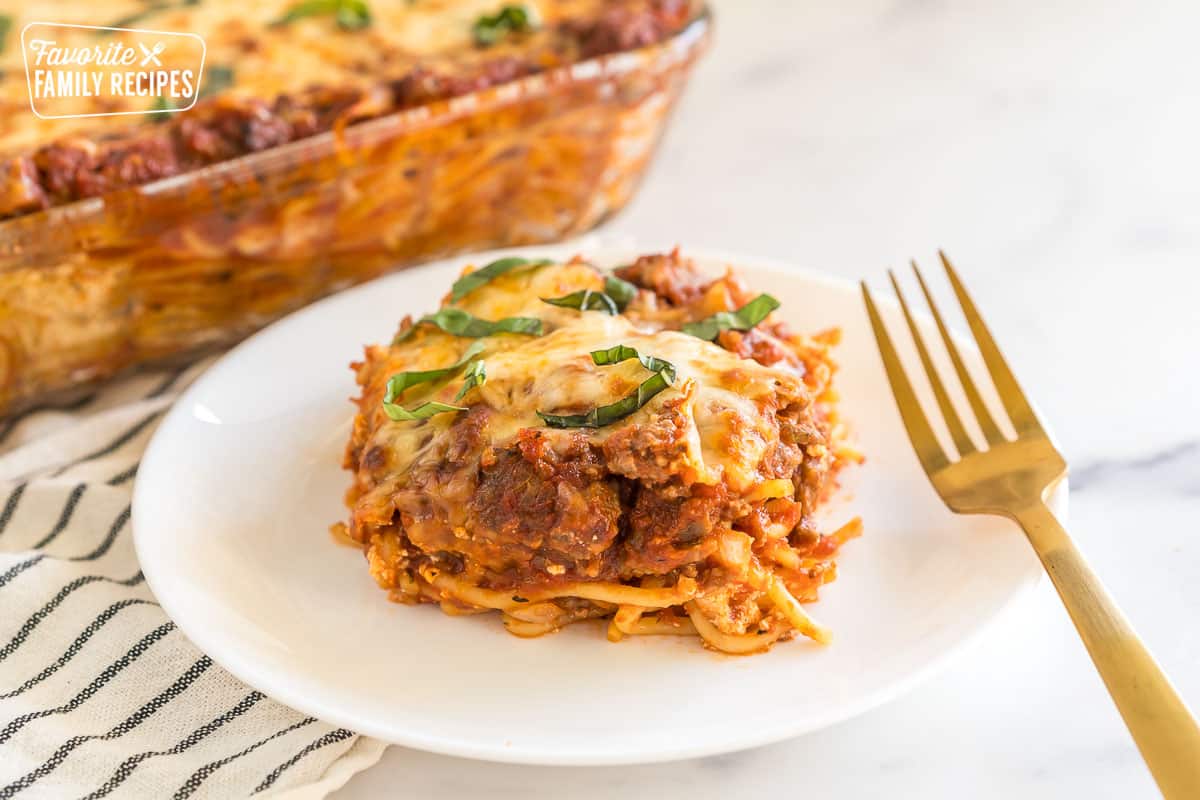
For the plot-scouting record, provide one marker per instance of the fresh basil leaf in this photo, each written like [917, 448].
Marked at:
[404, 380]
[307, 8]
[353, 15]
[473, 280]
[216, 78]
[423, 411]
[618, 353]
[476, 375]
[350, 15]
[6, 22]
[161, 104]
[585, 300]
[663, 377]
[622, 292]
[743, 319]
[457, 322]
[516, 18]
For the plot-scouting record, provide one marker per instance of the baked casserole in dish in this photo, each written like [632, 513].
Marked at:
[333, 140]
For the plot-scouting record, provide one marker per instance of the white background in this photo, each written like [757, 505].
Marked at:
[1052, 149]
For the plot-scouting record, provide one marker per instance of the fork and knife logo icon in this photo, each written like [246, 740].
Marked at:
[151, 54]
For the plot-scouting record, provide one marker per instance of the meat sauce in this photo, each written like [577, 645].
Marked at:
[227, 126]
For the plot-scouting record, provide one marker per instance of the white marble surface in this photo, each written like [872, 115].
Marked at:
[1051, 148]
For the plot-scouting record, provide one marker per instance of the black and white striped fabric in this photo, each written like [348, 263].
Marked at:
[100, 694]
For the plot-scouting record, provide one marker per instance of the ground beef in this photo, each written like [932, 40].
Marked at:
[229, 129]
[554, 502]
[666, 532]
[627, 26]
[670, 276]
[761, 346]
[423, 85]
[548, 506]
[20, 187]
[653, 452]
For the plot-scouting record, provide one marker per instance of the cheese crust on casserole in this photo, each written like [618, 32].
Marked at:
[694, 514]
[267, 83]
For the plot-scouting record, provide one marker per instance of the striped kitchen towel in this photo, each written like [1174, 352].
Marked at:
[100, 694]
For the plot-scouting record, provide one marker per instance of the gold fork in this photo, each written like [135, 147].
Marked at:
[1010, 478]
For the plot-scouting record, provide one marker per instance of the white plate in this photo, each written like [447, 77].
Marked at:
[242, 479]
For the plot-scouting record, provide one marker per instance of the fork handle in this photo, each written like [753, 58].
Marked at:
[1164, 729]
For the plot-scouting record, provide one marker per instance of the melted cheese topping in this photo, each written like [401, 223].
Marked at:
[266, 60]
[726, 403]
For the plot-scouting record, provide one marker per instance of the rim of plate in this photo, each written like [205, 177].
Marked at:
[245, 669]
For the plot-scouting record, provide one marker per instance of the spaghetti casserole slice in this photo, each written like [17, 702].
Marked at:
[560, 443]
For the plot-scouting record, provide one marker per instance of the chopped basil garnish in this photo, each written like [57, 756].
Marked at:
[457, 322]
[618, 353]
[622, 292]
[743, 319]
[216, 78]
[664, 376]
[403, 380]
[473, 280]
[351, 15]
[585, 300]
[161, 104]
[6, 22]
[398, 383]
[516, 18]
[476, 375]
[423, 411]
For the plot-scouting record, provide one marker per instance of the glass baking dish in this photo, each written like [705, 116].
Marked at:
[165, 271]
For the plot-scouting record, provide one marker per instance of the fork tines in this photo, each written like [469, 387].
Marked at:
[1020, 414]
